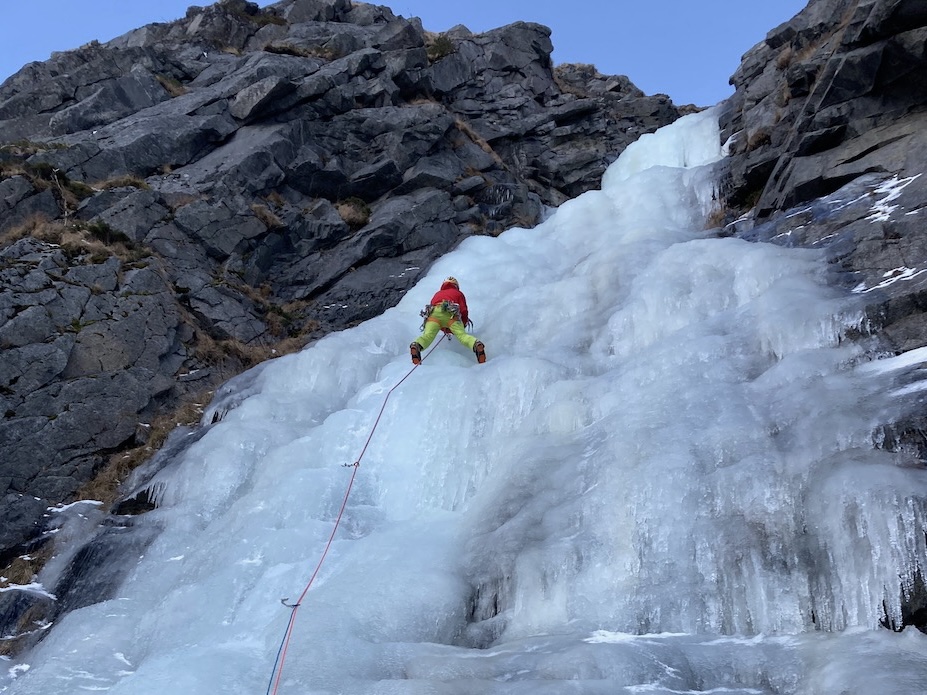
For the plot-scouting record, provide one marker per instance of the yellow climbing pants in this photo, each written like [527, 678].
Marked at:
[438, 319]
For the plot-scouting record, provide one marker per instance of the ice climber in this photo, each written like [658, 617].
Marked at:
[447, 312]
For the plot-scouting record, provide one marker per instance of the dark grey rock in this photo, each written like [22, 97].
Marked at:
[113, 100]
[316, 10]
[823, 101]
[30, 325]
[23, 208]
[21, 518]
[227, 313]
[135, 214]
[218, 226]
[249, 102]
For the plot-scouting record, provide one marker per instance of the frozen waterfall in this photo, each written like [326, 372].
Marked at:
[662, 481]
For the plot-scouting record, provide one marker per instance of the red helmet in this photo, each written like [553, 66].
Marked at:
[451, 279]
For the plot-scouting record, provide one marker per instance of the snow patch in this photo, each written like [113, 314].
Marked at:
[891, 189]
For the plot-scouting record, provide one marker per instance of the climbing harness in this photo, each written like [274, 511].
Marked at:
[277, 671]
[452, 308]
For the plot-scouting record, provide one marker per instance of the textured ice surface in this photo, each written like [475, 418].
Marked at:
[662, 481]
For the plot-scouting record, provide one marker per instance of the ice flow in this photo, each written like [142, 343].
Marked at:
[663, 480]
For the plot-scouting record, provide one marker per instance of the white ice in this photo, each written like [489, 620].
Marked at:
[662, 481]
[30, 588]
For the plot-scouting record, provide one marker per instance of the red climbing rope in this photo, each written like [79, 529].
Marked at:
[274, 683]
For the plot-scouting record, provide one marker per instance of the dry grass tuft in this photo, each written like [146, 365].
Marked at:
[328, 53]
[354, 211]
[468, 130]
[287, 49]
[438, 46]
[267, 216]
[26, 148]
[90, 241]
[785, 58]
[230, 356]
[251, 12]
[23, 570]
[760, 138]
[274, 198]
[105, 485]
[171, 85]
[717, 217]
[37, 226]
[127, 181]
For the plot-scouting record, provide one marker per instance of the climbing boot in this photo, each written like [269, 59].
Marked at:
[416, 351]
[480, 351]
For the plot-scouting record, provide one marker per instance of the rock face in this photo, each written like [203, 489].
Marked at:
[835, 93]
[85, 348]
[835, 101]
[182, 200]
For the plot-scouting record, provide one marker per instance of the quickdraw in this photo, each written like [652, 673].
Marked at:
[425, 313]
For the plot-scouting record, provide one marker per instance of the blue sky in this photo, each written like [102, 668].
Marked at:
[678, 47]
